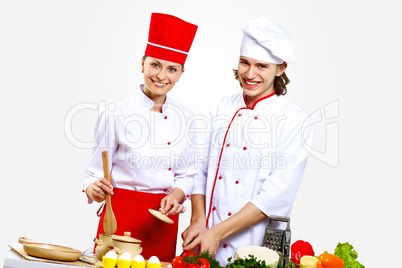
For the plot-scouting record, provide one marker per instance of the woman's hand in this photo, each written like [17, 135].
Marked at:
[172, 203]
[97, 190]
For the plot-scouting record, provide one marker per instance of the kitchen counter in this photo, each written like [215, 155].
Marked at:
[15, 260]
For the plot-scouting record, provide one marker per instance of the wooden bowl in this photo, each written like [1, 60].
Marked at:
[52, 252]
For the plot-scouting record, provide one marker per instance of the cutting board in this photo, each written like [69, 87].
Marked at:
[23, 254]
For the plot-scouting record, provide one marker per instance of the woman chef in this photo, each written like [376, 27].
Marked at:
[149, 145]
[256, 155]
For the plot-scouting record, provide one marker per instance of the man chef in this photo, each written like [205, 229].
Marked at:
[256, 154]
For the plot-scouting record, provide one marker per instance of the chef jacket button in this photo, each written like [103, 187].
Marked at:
[169, 143]
[227, 144]
[237, 182]
[220, 177]
[255, 117]
[169, 168]
[214, 208]
[230, 214]
[188, 196]
[244, 148]
[239, 115]
[165, 117]
[224, 245]
[83, 191]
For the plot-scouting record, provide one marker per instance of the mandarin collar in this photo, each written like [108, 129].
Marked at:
[146, 102]
[260, 103]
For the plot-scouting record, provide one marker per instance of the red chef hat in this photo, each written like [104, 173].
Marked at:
[169, 38]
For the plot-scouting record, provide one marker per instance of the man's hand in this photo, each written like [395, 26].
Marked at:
[192, 232]
[206, 241]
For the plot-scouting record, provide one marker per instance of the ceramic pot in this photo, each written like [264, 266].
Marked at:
[126, 243]
[103, 245]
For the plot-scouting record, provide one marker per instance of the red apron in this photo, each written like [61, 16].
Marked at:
[132, 215]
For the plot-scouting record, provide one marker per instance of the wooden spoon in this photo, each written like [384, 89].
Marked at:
[109, 221]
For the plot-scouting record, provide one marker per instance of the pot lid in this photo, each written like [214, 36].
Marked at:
[126, 238]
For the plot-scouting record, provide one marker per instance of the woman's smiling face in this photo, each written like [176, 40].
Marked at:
[160, 76]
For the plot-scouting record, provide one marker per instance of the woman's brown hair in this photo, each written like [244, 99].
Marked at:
[280, 82]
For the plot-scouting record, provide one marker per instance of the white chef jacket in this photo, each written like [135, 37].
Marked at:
[261, 161]
[148, 151]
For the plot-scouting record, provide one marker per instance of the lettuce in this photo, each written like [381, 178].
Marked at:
[346, 252]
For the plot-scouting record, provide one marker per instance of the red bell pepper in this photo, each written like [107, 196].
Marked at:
[299, 249]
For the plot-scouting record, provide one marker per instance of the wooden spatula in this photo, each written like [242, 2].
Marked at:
[109, 221]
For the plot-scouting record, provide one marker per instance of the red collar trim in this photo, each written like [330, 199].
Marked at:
[255, 103]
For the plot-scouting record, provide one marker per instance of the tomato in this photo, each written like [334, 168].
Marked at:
[178, 262]
[204, 263]
[188, 253]
[191, 265]
[327, 260]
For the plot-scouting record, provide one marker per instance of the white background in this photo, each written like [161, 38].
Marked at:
[58, 54]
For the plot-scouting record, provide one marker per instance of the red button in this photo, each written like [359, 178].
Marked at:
[165, 117]
[170, 168]
[237, 182]
[255, 117]
[83, 191]
[214, 208]
[229, 214]
[220, 177]
[239, 115]
[188, 195]
[244, 148]
[169, 143]
[224, 245]
[227, 145]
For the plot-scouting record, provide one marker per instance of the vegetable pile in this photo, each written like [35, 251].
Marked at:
[302, 255]
[344, 256]
[190, 259]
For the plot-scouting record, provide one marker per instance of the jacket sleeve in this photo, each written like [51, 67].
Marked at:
[186, 170]
[105, 140]
[279, 190]
[203, 147]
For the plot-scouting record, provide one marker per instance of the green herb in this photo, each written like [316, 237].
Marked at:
[250, 262]
[346, 252]
[212, 262]
[290, 264]
[206, 255]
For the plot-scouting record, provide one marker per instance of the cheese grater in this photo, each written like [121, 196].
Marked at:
[278, 239]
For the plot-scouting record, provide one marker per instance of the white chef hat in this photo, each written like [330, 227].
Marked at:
[265, 40]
